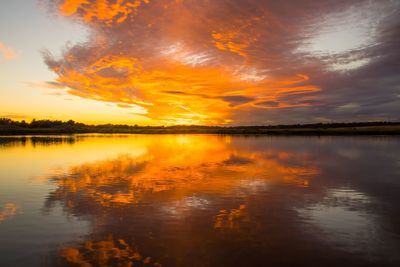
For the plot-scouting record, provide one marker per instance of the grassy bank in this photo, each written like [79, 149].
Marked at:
[10, 127]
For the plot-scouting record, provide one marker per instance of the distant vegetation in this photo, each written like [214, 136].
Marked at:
[11, 127]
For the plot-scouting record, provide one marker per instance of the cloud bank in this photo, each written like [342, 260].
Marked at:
[235, 62]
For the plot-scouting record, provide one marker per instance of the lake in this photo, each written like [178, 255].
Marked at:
[199, 200]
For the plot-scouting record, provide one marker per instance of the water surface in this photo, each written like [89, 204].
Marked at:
[199, 200]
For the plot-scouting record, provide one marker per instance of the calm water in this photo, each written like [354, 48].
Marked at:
[199, 200]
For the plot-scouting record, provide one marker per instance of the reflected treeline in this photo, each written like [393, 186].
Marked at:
[198, 201]
[36, 141]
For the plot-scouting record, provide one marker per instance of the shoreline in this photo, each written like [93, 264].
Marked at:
[356, 131]
[48, 127]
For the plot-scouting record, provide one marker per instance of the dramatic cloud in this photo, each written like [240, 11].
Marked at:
[236, 62]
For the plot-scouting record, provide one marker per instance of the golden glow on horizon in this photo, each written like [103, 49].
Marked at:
[175, 93]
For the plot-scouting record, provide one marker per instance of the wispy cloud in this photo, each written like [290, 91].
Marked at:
[45, 84]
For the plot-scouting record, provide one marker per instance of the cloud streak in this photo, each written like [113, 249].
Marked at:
[235, 62]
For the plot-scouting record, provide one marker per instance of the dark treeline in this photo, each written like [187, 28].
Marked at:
[8, 126]
[38, 140]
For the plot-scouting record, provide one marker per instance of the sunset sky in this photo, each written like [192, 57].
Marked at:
[211, 62]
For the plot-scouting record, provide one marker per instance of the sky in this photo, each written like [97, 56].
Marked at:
[206, 62]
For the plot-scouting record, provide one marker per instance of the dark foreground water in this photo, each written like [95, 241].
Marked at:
[199, 200]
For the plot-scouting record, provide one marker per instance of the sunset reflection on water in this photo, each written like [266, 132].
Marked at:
[202, 200]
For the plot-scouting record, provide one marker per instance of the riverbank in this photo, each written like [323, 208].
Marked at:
[311, 129]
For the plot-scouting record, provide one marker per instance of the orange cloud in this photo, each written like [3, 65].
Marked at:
[236, 38]
[174, 92]
[101, 10]
[176, 66]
